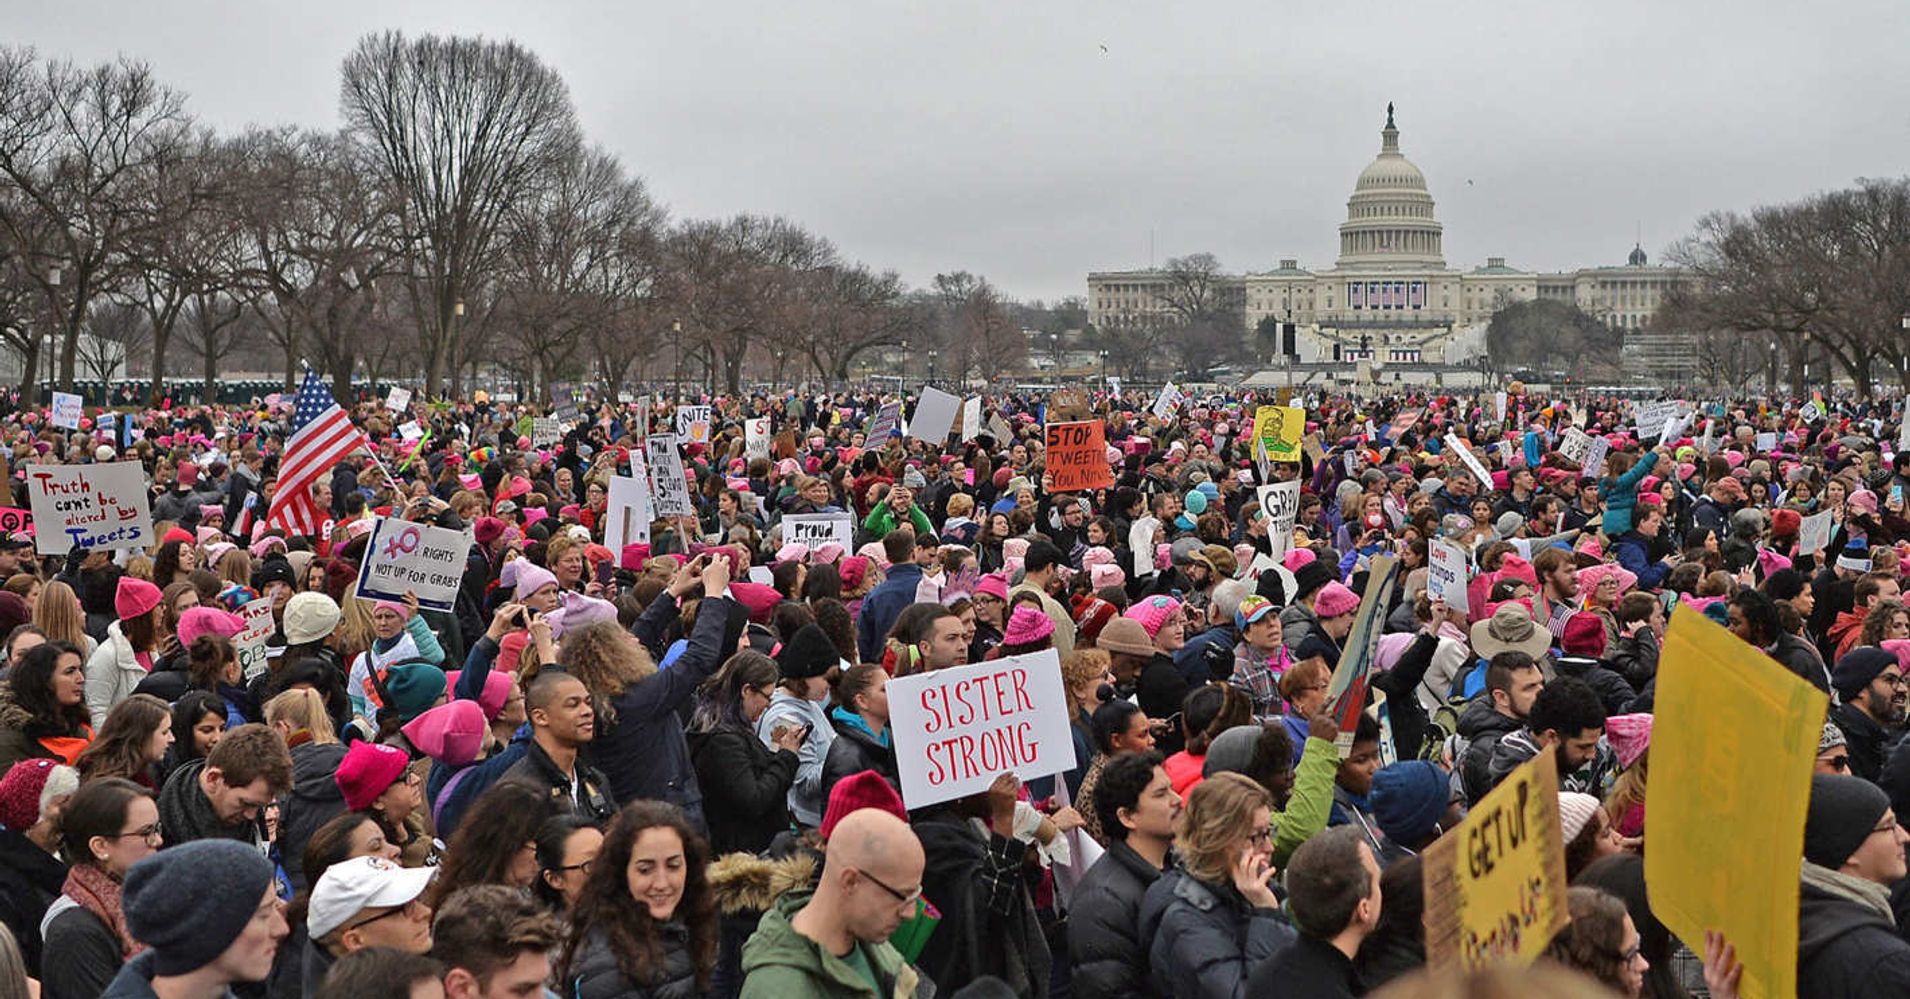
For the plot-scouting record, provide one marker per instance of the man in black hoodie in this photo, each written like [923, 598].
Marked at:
[1848, 943]
[1513, 682]
[976, 880]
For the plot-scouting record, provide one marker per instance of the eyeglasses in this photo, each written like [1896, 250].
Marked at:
[149, 833]
[1893, 679]
[1839, 763]
[404, 909]
[900, 896]
[1261, 836]
[584, 867]
[1628, 955]
[1888, 826]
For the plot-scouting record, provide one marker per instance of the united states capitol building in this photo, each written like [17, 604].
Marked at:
[1391, 299]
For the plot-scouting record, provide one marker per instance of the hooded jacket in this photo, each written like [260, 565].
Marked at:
[780, 962]
[113, 672]
[1104, 926]
[315, 800]
[1846, 631]
[856, 749]
[744, 887]
[806, 800]
[1482, 726]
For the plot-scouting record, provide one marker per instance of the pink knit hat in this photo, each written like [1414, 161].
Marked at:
[1153, 613]
[134, 597]
[1106, 575]
[451, 733]
[198, 621]
[993, 585]
[366, 771]
[1335, 599]
[497, 686]
[1629, 735]
[1296, 558]
[1027, 625]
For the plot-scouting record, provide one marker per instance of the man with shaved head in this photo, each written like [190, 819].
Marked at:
[835, 941]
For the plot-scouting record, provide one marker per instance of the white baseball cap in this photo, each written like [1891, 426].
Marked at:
[352, 886]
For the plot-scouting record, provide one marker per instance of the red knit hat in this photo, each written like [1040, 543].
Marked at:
[366, 771]
[20, 792]
[1584, 635]
[858, 791]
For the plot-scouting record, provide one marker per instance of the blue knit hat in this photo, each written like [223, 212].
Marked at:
[189, 902]
[1408, 797]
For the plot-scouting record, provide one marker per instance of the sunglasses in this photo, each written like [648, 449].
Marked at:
[1839, 763]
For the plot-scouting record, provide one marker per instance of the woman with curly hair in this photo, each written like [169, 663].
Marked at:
[1601, 941]
[131, 742]
[174, 562]
[43, 711]
[502, 849]
[645, 923]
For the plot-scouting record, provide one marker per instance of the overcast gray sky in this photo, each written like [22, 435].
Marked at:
[1002, 139]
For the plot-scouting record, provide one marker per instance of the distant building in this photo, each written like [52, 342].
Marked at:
[1390, 297]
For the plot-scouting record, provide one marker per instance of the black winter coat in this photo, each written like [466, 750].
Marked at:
[642, 751]
[30, 879]
[314, 801]
[1612, 690]
[1482, 726]
[1846, 950]
[596, 975]
[1104, 926]
[1205, 939]
[1159, 690]
[1863, 738]
[853, 752]
[747, 796]
[82, 955]
[988, 926]
[1308, 967]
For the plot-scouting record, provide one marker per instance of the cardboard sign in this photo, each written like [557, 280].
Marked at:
[1765, 443]
[817, 529]
[1813, 533]
[971, 418]
[1465, 454]
[756, 437]
[67, 409]
[1650, 421]
[627, 514]
[1280, 501]
[1595, 460]
[546, 430]
[92, 506]
[693, 424]
[1077, 456]
[1346, 689]
[1446, 571]
[934, 415]
[668, 487]
[1575, 446]
[251, 639]
[398, 399]
[1733, 748]
[1495, 884]
[16, 521]
[1280, 428]
[957, 729]
[1171, 398]
[888, 420]
[411, 431]
[401, 555]
[1140, 542]
[998, 429]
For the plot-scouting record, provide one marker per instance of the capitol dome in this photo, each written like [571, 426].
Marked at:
[1389, 218]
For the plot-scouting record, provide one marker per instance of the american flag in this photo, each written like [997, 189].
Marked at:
[321, 435]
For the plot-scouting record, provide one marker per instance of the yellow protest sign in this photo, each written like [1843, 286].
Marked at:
[1733, 742]
[1495, 884]
[1280, 429]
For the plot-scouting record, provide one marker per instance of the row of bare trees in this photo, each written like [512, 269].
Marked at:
[457, 224]
[1805, 287]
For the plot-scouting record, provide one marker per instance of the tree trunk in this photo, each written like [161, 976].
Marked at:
[30, 371]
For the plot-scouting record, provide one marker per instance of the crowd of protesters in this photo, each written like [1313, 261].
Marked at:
[668, 769]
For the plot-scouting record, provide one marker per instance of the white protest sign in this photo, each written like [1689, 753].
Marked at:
[627, 514]
[762, 575]
[1498, 405]
[817, 529]
[67, 408]
[1280, 504]
[693, 424]
[401, 555]
[1766, 442]
[1575, 446]
[1651, 417]
[92, 506]
[398, 399]
[934, 415]
[668, 487]
[756, 437]
[1114, 385]
[956, 729]
[887, 420]
[1168, 401]
[1601, 446]
[410, 431]
[1472, 463]
[1903, 432]
[1446, 573]
[1813, 533]
[971, 417]
[546, 430]
[251, 639]
[1140, 541]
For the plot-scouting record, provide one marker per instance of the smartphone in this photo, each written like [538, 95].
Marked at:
[606, 572]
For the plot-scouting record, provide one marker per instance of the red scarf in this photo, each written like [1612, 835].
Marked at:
[98, 893]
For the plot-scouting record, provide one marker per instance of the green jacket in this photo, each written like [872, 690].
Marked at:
[1311, 801]
[881, 521]
[779, 963]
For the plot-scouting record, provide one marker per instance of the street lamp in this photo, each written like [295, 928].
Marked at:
[932, 355]
[676, 379]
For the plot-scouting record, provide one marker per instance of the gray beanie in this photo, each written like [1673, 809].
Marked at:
[1231, 751]
[1843, 811]
[189, 902]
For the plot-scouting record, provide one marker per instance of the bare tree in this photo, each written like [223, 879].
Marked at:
[115, 331]
[75, 147]
[1209, 310]
[847, 310]
[462, 129]
[733, 281]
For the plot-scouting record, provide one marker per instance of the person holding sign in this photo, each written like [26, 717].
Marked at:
[398, 635]
[1209, 923]
[976, 879]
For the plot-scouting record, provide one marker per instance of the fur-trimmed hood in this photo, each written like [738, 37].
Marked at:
[12, 715]
[747, 883]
